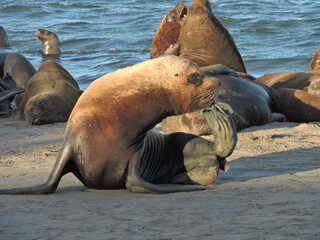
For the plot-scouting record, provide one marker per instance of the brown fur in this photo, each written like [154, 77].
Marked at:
[50, 95]
[297, 105]
[205, 41]
[167, 35]
[114, 113]
[251, 103]
[50, 42]
[295, 80]
[18, 66]
[315, 62]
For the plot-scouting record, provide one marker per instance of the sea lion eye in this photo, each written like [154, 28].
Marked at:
[195, 79]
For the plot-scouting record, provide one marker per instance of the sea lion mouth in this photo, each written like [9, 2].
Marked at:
[39, 120]
[38, 115]
[183, 12]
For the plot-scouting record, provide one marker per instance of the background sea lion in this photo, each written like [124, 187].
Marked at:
[49, 96]
[18, 66]
[250, 101]
[3, 37]
[313, 88]
[167, 35]
[296, 80]
[15, 72]
[108, 144]
[204, 40]
[297, 105]
[315, 62]
[5, 96]
[50, 42]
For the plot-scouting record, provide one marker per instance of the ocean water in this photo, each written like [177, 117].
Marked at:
[99, 36]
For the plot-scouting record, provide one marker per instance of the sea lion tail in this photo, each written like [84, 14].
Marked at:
[52, 183]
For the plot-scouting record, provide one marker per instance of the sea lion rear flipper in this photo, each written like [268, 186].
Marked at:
[7, 82]
[6, 94]
[8, 88]
[135, 183]
[52, 183]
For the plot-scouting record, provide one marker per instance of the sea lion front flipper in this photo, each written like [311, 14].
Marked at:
[223, 129]
[6, 94]
[8, 88]
[7, 82]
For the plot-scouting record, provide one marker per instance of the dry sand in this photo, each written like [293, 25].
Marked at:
[271, 192]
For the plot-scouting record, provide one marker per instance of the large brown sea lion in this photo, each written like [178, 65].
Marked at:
[3, 37]
[315, 62]
[296, 80]
[251, 103]
[108, 143]
[50, 42]
[167, 35]
[49, 96]
[204, 40]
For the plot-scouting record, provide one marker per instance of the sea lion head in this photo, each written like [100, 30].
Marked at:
[50, 41]
[166, 39]
[46, 108]
[190, 88]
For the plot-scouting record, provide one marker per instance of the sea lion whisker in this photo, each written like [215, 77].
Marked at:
[203, 97]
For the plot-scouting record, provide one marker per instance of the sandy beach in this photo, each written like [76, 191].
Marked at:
[271, 192]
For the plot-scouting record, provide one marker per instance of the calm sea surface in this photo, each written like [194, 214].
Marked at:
[100, 36]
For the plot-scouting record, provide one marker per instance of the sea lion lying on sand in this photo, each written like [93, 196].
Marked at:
[250, 101]
[49, 96]
[15, 72]
[295, 80]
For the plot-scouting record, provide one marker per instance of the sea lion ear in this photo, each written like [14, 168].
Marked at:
[195, 78]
